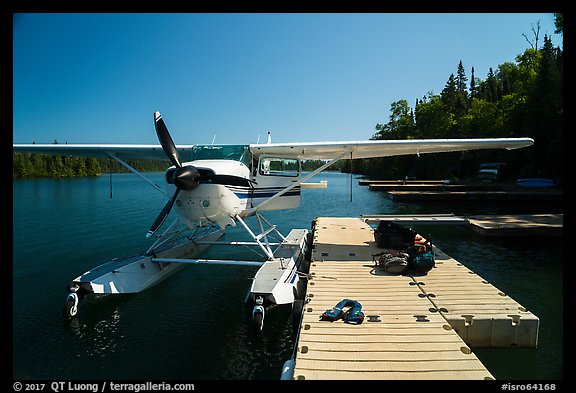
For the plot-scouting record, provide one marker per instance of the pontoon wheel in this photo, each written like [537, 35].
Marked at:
[71, 306]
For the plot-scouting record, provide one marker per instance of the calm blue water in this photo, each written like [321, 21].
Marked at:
[195, 325]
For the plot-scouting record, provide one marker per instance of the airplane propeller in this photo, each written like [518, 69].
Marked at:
[183, 177]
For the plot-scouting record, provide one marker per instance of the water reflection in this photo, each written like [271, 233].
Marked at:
[96, 332]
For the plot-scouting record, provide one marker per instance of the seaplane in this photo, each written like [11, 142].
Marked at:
[211, 187]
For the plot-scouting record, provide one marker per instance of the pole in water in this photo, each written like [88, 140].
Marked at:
[110, 172]
[351, 176]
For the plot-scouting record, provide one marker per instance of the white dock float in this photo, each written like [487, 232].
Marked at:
[415, 327]
[482, 315]
[518, 225]
[417, 219]
[487, 224]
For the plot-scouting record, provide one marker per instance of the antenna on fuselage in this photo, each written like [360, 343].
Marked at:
[214, 138]
[269, 138]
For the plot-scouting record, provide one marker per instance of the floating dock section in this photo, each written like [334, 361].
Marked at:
[415, 327]
[488, 225]
[518, 225]
[444, 190]
[476, 195]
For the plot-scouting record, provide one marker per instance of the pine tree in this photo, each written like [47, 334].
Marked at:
[473, 88]
[461, 102]
[93, 167]
[448, 95]
[461, 78]
[493, 93]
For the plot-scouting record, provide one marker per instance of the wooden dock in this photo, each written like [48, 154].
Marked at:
[477, 195]
[406, 333]
[444, 190]
[411, 219]
[488, 224]
[368, 182]
[433, 187]
[518, 225]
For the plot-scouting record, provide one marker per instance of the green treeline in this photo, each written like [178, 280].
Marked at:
[27, 165]
[520, 99]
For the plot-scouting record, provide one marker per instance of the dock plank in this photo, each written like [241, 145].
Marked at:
[307, 373]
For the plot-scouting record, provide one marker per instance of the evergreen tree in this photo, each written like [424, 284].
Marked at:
[473, 88]
[492, 87]
[559, 23]
[547, 103]
[93, 167]
[448, 95]
[461, 78]
[461, 103]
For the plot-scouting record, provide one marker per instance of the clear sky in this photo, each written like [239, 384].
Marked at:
[98, 78]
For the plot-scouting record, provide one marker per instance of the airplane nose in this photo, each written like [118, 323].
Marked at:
[186, 178]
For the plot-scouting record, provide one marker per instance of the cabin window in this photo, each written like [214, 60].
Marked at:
[272, 166]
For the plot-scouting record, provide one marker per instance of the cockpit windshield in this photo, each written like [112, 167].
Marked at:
[222, 152]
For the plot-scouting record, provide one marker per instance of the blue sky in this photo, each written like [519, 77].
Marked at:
[98, 78]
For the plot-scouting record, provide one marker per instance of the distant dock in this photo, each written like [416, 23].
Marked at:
[518, 225]
[368, 182]
[476, 195]
[415, 327]
[442, 190]
[488, 224]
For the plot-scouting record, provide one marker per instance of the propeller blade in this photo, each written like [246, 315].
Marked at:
[163, 214]
[166, 140]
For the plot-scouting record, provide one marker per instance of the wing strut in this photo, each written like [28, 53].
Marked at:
[124, 164]
[264, 247]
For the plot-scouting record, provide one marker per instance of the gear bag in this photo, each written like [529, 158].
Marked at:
[391, 235]
[391, 261]
[421, 259]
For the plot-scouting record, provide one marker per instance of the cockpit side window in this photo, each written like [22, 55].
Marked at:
[274, 166]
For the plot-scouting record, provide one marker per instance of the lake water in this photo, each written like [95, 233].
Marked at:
[195, 325]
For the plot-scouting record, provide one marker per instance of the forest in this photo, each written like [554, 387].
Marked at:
[27, 165]
[523, 98]
[517, 99]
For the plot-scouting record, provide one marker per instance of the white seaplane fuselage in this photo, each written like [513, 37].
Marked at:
[231, 189]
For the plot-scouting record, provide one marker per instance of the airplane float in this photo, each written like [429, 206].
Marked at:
[213, 186]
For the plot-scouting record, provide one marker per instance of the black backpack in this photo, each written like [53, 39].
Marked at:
[391, 235]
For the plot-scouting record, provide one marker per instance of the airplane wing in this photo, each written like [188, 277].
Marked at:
[383, 148]
[123, 151]
[305, 150]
